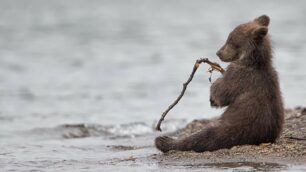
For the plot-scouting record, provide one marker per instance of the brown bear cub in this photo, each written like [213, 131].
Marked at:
[249, 88]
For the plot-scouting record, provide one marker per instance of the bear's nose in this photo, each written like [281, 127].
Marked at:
[218, 53]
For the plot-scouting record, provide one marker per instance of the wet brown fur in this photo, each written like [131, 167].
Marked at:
[250, 90]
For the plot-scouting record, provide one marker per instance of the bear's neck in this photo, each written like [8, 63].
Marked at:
[260, 57]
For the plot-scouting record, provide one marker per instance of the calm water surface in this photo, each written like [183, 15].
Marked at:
[82, 81]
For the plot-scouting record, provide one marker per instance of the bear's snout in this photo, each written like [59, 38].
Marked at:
[219, 53]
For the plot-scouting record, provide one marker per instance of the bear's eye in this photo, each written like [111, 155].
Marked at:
[232, 43]
[235, 45]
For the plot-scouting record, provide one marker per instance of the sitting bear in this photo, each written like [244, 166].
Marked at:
[249, 88]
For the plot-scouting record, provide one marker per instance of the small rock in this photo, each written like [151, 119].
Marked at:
[304, 111]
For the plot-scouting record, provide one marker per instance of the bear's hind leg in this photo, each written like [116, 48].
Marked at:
[207, 139]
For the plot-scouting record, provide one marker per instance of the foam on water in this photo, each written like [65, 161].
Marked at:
[72, 131]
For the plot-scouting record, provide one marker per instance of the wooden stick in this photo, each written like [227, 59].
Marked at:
[214, 66]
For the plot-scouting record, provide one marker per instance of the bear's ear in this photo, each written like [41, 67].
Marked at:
[263, 20]
[260, 32]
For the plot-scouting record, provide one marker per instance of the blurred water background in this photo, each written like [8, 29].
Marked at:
[78, 76]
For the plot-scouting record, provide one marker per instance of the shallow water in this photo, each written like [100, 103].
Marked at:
[82, 81]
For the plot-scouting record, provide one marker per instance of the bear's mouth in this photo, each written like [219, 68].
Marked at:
[224, 59]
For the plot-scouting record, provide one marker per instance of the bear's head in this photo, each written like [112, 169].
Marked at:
[244, 38]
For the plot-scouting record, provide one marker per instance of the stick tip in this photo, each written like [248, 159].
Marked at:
[158, 129]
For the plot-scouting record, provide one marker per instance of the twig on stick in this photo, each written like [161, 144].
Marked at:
[214, 66]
